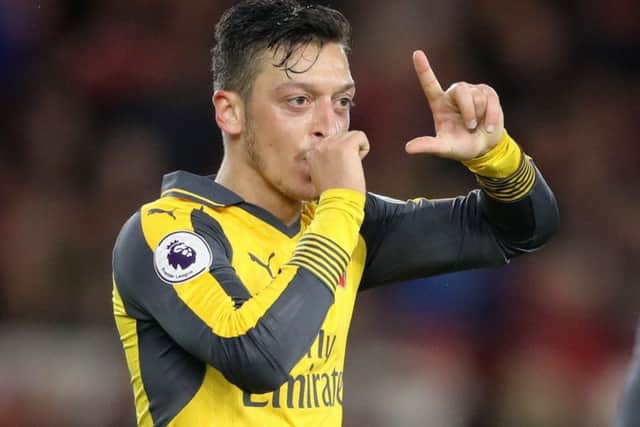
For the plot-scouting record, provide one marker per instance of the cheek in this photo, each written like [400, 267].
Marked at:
[277, 146]
[281, 124]
[280, 137]
[288, 135]
[293, 123]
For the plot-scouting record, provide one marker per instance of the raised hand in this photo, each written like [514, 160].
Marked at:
[468, 117]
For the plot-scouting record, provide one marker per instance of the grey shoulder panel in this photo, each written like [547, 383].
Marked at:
[129, 257]
[171, 376]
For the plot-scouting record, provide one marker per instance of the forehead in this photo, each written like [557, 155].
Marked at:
[310, 64]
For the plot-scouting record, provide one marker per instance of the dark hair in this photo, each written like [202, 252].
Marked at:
[253, 26]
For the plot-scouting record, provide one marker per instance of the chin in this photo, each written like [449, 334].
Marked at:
[302, 189]
[306, 195]
[303, 192]
[312, 195]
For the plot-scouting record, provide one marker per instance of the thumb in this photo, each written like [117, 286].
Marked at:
[427, 145]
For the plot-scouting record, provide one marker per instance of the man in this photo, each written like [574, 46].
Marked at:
[629, 405]
[233, 294]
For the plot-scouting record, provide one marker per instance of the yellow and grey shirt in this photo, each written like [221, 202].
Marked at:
[230, 318]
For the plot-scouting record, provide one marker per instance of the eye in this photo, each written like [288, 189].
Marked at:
[299, 101]
[346, 103]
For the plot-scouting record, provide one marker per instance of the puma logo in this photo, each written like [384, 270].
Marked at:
[266, 266]
[162, 211]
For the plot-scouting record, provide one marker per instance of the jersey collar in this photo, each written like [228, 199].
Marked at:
[202, 189]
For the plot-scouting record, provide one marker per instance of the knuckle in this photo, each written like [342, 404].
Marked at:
[358, 135]
[465, 86]
[489, 90]
[454, 87]
[476, 90]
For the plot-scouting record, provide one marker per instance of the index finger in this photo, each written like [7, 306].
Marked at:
[428, 80]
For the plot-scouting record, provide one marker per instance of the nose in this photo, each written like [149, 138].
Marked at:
[326, 121]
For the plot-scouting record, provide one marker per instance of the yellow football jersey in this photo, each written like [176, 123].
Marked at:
[228, 317]
[262, 306]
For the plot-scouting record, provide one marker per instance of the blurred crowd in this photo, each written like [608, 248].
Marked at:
[101, 98]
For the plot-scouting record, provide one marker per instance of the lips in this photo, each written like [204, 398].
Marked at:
[302, 156]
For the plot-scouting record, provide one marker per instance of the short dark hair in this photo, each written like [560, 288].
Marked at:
[254, 26]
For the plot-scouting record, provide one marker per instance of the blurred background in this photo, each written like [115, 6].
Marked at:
[101, 98]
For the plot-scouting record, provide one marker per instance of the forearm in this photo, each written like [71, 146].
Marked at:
[287, 326]
[326, 246]
[515, 199]
[513, 213]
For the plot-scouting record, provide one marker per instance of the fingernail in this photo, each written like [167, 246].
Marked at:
[491, 128]
[472, 124]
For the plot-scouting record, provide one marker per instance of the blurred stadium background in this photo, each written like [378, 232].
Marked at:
[100, 98]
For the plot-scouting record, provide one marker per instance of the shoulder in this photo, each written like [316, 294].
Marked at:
[170, 228]
[165, 216]
[170, 241]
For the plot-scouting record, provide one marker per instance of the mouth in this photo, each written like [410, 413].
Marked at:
[302, 156]
[303, 165]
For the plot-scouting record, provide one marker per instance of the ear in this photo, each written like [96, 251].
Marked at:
[229, 111]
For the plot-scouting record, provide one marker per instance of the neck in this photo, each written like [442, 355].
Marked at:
[253, 188]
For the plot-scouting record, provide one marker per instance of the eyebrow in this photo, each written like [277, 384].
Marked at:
[311, 88]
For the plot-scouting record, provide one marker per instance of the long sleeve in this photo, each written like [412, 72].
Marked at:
[253, 340]
[510, 215]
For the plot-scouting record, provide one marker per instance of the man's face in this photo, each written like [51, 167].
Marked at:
[288, 113]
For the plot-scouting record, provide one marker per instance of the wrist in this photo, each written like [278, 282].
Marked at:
[499, 162]
[326, 246]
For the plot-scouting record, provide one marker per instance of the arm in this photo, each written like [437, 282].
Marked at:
[515, 212]
[628, 411]
[253, 340]
[511, 215]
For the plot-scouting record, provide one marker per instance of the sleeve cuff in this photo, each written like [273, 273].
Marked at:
[499, 162]
[354, 197]
[325, 247]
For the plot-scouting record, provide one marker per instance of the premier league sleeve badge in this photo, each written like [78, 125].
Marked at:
[181, 256]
